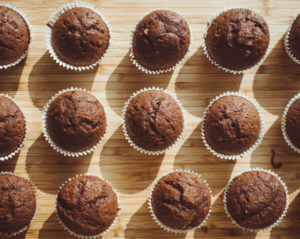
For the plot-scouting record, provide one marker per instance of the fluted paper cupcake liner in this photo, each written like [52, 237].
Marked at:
[30, 35]
[253, 147]
[13, 154]
[277, 221]
[52, 143]
[155, 72]
[132, 144]
[13, 234]
[286, 43]
[53, 20]
[162, 225]
[212, 61]
[83, 236]
[283, 123]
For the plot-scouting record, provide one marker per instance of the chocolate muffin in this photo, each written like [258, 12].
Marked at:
[76, 120]
[237, 39]
[292, 123]
[231, 125]
[80, 37]
[181, 200]
[12, 126]
[14, 37]
[294, 38]
[161, 39]
[87, 205]
[17, 203]
[153, 120]
[256, 199]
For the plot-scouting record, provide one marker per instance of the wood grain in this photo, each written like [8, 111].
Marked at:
[195, 83]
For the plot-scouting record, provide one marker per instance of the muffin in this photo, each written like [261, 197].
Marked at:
[87, 206]
[292, 40]
[160, 41]
[256, 200]
[180, 201]
[236, 40]
[17, 204]
[79, 36]
[291, 123]
[12, 128]
[74, 122]
[14, 37]
[152, 121]
[232, 126]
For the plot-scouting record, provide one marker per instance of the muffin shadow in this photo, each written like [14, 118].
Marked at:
[48, 169]
[128, 170]
[199, 81]
[274, 154]
[52, 229]
[127, 79]
[10, 79]
[269, 89]
[290, 223]
[9, 165]
[219, 224]
[194, 156]
[141, 225]
[47, 78]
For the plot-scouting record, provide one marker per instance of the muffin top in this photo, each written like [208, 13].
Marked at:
[87, 205]
[237, 39]
[153, 120]
[292, 123]
[161, 40]
[294, 38]
[14, 37]
[256, 199]
[17, 203]
[181, 200]
[232, 125]
[12, 126]
[80, 37]
[76, 120]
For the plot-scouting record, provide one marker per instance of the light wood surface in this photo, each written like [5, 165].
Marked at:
[195, 82]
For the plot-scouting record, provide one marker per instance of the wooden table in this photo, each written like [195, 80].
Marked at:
[195, 83]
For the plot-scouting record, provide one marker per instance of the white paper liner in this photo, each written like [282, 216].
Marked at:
[52, 143]
[132, 144]
[286, 43]
[283, 123]
[83, 236]
[30, 35]
[261, 131]
[53, 20]
[11, 155]
[36, 209]
[278, 220]
[212, 61]
[162, 225]
[155, 72]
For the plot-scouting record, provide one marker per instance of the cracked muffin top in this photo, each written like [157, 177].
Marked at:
[237, 39]
[161, 40]
[153, 120]
[292, 123]
[76, 120]
[12, 126]
[87, 205]
[294, 38]
[256, 199]
[17, 203]
[181, 200]
[14, 37]
[80, 37]
[232, 125]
